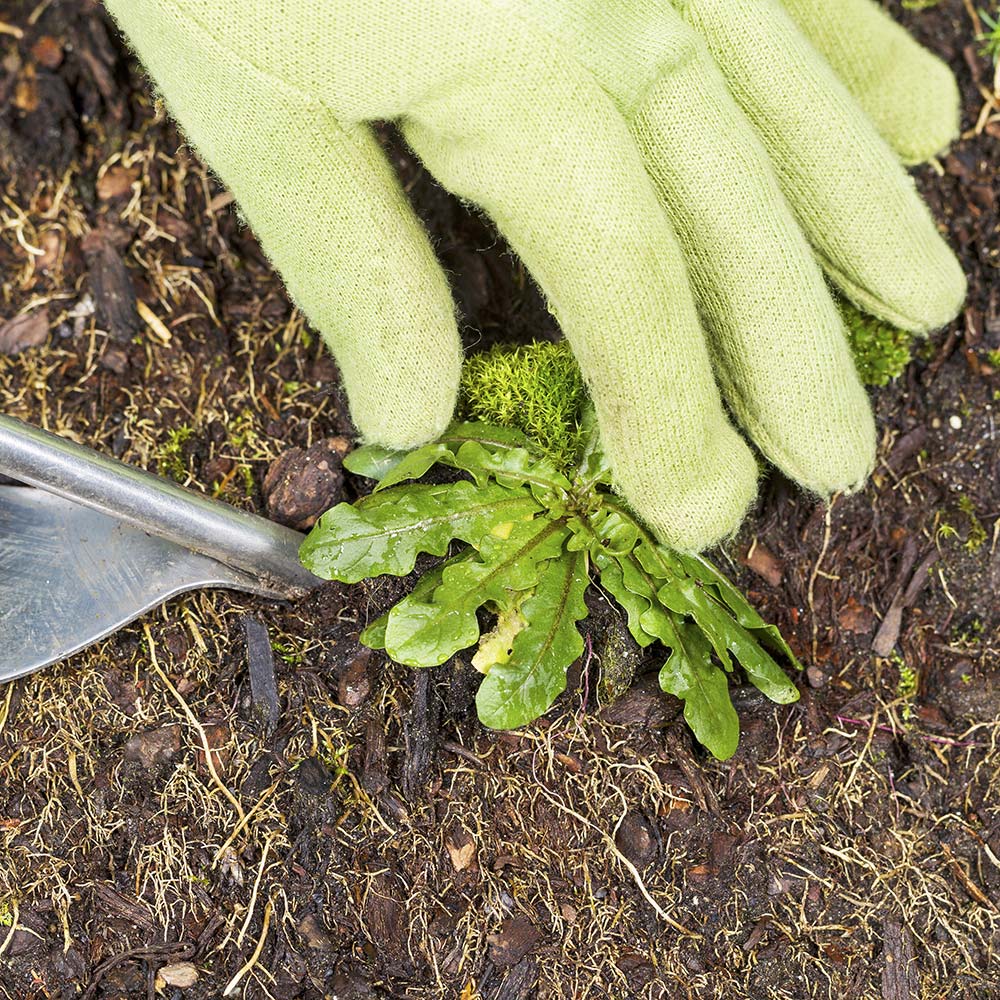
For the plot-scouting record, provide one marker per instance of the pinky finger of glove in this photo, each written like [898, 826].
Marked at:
[909, 93]
[331, 215]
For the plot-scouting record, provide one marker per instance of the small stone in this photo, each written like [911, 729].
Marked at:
[816, 677]
[154, 747]
[354, 683]
[178, 974]
[636, 839]
[114, 359]
[47, 52]
[955, 422]
[116, 183]
[50, 243]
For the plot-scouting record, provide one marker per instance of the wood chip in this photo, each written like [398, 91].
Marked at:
[764, 563]
[900, 976]
[180, 975]
[111, 286]
[116, 183]
[23, 332]
[263, 684]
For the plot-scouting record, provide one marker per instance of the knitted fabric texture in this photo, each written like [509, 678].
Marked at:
[677, 176]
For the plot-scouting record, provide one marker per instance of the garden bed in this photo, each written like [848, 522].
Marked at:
[377, 841]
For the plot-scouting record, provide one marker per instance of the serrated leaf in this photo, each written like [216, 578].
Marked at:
[488, 435]
[424, 633]
[509, 466]
[616, 531]
[519, 691]
[373, 461]
[690, 675]
[384, 532]
[659, 561]
[373, 636]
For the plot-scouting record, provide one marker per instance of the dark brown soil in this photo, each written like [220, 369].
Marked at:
[374, 840]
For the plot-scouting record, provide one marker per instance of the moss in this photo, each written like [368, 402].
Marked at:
[881, 351]
[171, 460]
[536, 388]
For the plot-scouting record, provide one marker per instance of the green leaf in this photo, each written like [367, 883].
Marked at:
[690, 675]
[496, 646]
[373, 635]
[519, 691]
[699, 567]
[727, 635]
[373, 461]
[488, 435]
[658, 561]
[616, 531]
[426, 632]
[415, 464]
[384, 532]
[594, 467]
[635, 604]
[509, 466]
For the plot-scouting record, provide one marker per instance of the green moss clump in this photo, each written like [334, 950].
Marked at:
[881, 351]
[536, 388]
[172, 460]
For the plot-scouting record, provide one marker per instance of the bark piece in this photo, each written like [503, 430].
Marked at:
[263, 685]
[154, 747]
[111, 286]
[900, 977]
[516, 937]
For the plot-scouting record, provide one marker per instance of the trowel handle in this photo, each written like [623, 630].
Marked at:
[242, 541]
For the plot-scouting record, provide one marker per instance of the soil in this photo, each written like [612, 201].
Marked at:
[363, 836]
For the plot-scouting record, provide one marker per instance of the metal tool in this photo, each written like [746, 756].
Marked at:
[89, 543]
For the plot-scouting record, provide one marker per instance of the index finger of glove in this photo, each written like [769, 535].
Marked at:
[874, 236]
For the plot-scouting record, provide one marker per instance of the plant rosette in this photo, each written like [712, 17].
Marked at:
[524, 538]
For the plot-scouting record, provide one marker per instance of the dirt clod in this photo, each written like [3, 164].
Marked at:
[155, 747]
[304, 483]
[516, 937]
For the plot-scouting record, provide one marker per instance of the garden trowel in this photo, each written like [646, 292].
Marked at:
[88, 543]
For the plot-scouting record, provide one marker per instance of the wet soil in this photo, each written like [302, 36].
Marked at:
[173, 826]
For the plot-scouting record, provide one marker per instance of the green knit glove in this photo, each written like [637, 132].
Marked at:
[676, 175]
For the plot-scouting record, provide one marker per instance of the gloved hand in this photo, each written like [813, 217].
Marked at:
[676, 174]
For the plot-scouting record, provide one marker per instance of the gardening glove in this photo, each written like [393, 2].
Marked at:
[676, 174]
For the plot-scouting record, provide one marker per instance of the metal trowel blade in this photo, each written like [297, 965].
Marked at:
[70, 575]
